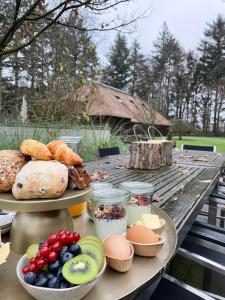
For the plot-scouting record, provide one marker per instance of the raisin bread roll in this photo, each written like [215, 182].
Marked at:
[41, 179]
[11, 162]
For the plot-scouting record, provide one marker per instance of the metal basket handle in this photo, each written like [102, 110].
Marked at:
[163, 138]
[134, 128]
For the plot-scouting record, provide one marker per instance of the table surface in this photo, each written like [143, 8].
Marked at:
[182, 190]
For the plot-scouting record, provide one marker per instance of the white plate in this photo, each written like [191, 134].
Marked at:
[6, 219]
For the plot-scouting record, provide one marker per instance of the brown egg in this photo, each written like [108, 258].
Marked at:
[117, 247]
[141, 234]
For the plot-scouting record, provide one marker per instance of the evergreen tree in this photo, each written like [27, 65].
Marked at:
[138, 71]
[212, 66]
[167, 56]
[118, 71]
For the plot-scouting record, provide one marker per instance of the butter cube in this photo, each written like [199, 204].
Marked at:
[151, 221]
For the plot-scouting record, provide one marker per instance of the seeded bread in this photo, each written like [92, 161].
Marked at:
[11, 162]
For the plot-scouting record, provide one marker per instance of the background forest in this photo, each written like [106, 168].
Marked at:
[187, 86]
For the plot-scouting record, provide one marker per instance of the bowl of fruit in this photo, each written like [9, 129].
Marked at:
[64, 266]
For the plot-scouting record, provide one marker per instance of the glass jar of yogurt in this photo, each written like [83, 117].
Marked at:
[90, 205]
[140, 201]
[110, 216]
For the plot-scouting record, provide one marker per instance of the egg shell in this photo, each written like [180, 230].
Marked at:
[141, 234]
[117, 247]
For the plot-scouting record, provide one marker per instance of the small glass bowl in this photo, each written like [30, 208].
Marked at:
[110, 216]
[140, 201]
[90, 205]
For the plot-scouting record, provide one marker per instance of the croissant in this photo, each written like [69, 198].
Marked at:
[35, 149]
[54, 145]
[64, 154]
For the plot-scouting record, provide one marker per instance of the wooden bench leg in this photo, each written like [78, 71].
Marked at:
[222, 215]
[212, 213]
[207, 278]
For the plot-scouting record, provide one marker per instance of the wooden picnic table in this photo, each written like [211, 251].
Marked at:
[181, 191]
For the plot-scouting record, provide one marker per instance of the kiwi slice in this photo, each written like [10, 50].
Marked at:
[32, 250]
[93, 238]
[80, 269]
[94, 251]
[92, 242]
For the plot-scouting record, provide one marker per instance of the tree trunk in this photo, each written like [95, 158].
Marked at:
[151, 154]
[215, 113]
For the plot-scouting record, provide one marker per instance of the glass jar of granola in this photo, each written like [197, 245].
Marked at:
[110, 216]
[140, 201]
[90, 205]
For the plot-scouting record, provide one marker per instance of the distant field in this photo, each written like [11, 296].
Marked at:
[219, 142]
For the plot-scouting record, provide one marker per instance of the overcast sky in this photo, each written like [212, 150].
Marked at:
[186, 19]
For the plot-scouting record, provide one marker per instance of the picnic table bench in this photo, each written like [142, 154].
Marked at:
[181, 191]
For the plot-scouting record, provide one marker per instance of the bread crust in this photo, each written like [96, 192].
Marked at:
[35, 149]
[79, 177]
[11, 162]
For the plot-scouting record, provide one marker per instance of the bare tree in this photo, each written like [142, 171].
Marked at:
[25, 24]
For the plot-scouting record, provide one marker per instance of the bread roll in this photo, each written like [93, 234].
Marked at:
[41, 179]
[11, 162]
[61, 152]
[35, 149]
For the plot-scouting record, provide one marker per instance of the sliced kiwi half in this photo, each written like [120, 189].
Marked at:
[94, 251]
[92, 242]
[80, 269]
[95, 239]
[32, 250]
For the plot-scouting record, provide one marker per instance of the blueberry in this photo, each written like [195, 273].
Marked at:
[54, 266]
[43, 273]
[59, 274]
[63, 250]
[74, 249]
[30, 278]
[67, 256]
[64, 285]
[53, 283]
[50, 275]
[41, 281]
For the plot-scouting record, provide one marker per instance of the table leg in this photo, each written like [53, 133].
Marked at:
[33, 227]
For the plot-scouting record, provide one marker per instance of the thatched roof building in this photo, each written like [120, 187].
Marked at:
[106, 101]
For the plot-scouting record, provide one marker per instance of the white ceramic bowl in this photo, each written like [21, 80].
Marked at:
[41, 293]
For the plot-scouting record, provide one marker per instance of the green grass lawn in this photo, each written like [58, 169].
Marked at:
[219, 142]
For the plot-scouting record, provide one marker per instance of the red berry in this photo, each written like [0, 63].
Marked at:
[63, 239]
[56, 247]
[52, 256]
[40, 263]
[33, 267]
[76, 236]
[52, 238]
[44, 251]
[44, 244]
[67, 232]
[61, 232]
[38, 256]
[70, 238]
[26, 269]
[32, 260]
